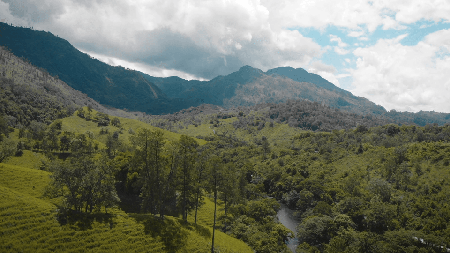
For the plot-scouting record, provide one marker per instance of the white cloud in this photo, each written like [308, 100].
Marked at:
[356, 33]
[354, 14]
[322, 67]
[390, 23]
[340, 51]
[326, 71]
[7, 17]
[196, 37]
[338, 40]
[158, 71]
[405, 77]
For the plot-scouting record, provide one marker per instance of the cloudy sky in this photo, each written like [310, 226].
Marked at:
[393, 52]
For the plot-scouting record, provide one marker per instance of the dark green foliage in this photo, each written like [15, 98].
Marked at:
[115, 122]
[84, 184]
[4, 131]
[24, 104]
[151, 167]
[254, 224]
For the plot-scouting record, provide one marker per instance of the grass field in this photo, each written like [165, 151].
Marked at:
[31, 223]
[79, 125]
[28, 159]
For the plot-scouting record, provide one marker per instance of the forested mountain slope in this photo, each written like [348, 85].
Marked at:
[113, 86]
[30, 94]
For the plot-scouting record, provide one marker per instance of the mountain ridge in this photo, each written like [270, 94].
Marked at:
[122, 88]
[112, 86]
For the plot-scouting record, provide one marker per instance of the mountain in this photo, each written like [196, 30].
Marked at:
[30, 94]
[113, 86]
[132, 90]
[250, 86]
[123, 88]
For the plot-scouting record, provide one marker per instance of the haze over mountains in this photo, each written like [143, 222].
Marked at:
[135, 91]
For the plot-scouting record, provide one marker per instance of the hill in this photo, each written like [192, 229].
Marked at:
[32, 94]
[113, 86]
[31, 223]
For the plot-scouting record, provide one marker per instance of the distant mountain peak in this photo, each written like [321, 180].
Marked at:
[247, 68]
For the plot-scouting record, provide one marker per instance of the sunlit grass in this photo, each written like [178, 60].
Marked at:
[28, 159]
[30, 223]
[24, 180]
[79, 125]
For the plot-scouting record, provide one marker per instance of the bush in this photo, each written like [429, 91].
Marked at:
[115, 122]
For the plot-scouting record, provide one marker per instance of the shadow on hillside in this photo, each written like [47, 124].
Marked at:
[172, 231]
[129, 203]
[84, 221]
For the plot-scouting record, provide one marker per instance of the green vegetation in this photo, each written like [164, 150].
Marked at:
[75, 176]
[371, 189]
[31, 223]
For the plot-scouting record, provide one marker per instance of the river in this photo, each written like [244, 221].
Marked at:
[286, 217]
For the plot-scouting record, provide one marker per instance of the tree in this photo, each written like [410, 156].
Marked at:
[148, 157]
[106, 194]
[115, 122]
[265, 146]
[200, 177]
[7, 148]
[315, 230]
[3, 127]
[215, 178]
[102, 119]
[83, 182]
[112, 144]
[65, 141]
[187, 155]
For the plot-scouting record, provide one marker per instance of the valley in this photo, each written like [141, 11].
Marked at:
[150, 164]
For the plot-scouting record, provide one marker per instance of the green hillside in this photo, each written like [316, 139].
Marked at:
[31, 223]
[127, 126]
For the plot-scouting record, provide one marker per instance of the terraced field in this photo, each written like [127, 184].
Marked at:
[31, 223]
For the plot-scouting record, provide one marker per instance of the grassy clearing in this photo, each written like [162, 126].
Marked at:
[28, 159]
[205, 218]
[24, 180]
[78, 125]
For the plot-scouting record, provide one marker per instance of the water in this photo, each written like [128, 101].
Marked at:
[286, 217]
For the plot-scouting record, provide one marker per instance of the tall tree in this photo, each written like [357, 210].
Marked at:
[215, 179]
[187, 155]
[201, 174]
[148, 156]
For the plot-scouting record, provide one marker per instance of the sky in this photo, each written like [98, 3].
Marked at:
[396, 53]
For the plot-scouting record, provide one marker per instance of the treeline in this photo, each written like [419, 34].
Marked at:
[302, 114]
